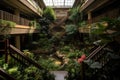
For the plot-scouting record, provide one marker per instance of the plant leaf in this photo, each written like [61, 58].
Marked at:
[96, 65]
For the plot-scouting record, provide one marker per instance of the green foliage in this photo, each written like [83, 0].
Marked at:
[13, 70]
[113, 24]
[11, 24]
[35, 24]
[2, 22]
[75, 54]
[20, 72]
[5, 28]
[7, 23]
[71, 29]
[65, 49]
[106, 33]
[73, 14]
[2, 60]
[28, 54]
[82, 24]
[98, 28]
[44, 43]
[48, 64]
[32, 23]
[49, 14]
[73, 69]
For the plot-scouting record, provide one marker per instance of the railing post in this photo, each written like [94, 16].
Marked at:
[1, 14]
[82, 74]
[6, 50]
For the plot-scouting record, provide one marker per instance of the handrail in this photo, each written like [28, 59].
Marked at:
[14, 50]
[6, 75]
[96, 51]
[96, 55]
[11, 17]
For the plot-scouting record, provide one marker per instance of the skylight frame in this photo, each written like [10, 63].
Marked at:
[59, 3]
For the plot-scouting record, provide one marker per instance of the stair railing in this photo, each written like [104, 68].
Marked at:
[22, 58]
[5, 75]
[96, 55]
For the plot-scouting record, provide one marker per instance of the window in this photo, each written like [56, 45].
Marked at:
[59, 3]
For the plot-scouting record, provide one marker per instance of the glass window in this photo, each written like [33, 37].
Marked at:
[59, 3]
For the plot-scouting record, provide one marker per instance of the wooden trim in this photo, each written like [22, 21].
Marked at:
[86, 4]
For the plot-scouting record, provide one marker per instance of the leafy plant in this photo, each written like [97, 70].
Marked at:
[2, 22]
[75, 54]
[71, 29]
[7, 23]
[11, 24]
[98, 28]
[113, 24]
[48, 64]
[35, 24]
[49, 14]
[73, 69]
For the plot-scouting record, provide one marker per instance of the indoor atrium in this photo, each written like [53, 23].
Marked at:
[59, 39]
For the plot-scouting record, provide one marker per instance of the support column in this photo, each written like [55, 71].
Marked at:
[17, 13]
[17, 37]
[89, 17]
[17, 40]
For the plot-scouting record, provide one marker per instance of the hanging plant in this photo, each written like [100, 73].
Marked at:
[49, 14]
[75, 15]
[5, 28]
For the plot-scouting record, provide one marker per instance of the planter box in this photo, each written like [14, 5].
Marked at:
[19, 29]
[59, 75]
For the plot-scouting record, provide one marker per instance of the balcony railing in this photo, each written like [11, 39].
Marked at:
[10, 17]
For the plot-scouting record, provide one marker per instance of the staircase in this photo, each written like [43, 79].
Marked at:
[107, 58]
[23, 60]
[20, 57]
[3, 48]
[58, 26]
[5, 76]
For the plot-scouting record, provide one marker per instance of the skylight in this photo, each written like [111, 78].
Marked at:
[59, 3]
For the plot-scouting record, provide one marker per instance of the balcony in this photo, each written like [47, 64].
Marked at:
[10, 17]
[22, 24]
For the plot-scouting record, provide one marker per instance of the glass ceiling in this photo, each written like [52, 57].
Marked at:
[59, 3]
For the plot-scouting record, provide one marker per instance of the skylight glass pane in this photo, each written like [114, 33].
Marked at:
[69, 3]
[59, 3]
[48, 2]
